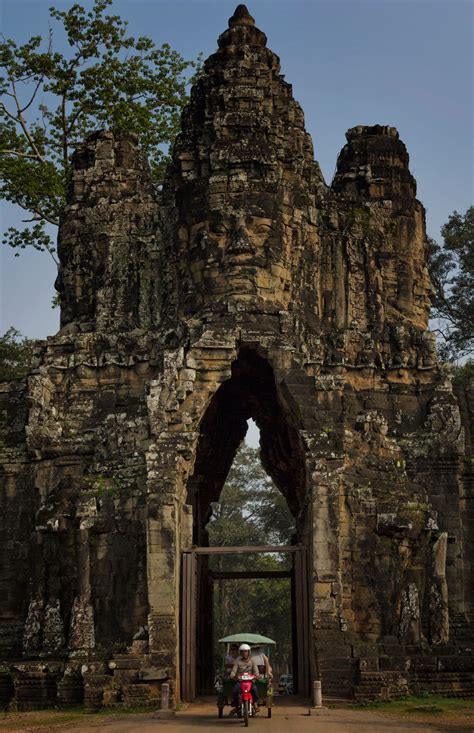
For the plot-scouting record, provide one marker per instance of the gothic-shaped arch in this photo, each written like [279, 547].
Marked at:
[250, 392]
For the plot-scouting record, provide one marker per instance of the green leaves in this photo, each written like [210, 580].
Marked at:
[452, 273]
[53, 101]
[251, 510]
[15, 355]
[34, 236]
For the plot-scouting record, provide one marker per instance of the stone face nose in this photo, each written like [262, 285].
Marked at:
[241, 242]
[241, 17]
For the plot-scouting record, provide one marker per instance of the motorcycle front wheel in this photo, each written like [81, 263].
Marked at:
[246, 713]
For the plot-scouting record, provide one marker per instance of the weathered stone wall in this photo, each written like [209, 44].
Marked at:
[89, 436]
[247, 287]
[465, 396]
[17, 516]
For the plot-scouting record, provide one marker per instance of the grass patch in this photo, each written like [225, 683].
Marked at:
[48, 718]
[38, 719]
[424, 704]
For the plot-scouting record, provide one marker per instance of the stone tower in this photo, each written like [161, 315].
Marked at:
[246, 288]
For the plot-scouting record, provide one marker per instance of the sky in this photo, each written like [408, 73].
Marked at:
[406, 63]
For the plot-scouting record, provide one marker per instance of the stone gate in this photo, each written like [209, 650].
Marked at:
[246, 287]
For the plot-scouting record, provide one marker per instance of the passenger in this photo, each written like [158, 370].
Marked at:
[262, 661]
[231, 657]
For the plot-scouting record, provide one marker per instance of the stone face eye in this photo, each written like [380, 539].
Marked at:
[220, 230]
[199, 237]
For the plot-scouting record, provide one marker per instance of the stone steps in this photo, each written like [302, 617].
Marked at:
[127, 686]
[70, 691]
[452, 684]
[95, 686]
[125, 663]
[337, 684]
[388, 684]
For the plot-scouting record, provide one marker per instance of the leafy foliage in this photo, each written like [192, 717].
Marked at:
[463, 382]
[15, 355]
[252, 511]
[452, 273]
[52, 101]
[464, 375]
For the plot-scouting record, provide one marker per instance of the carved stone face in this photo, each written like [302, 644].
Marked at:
[239, 248]
[232, 239]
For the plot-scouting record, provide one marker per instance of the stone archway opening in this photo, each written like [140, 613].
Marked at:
[250, 393]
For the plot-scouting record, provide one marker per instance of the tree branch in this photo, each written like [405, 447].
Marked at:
[8, 113]
[20, 155]
[22, 123]
[33, 95]
[40, 81]
[447, 310]
[64, 131]
[40, 214]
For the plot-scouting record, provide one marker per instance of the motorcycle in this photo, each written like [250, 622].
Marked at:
[224, 685]
[246, 708]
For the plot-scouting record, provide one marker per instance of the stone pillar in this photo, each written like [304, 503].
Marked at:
[439, 612]
[82, 631]
[164, 555]
[32, 633]
[53, 633]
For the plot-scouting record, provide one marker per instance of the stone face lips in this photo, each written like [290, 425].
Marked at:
[246, 287]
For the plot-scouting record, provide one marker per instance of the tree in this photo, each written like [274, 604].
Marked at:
[52, 101]
[15, 355]
[452, 273]
[251, 510]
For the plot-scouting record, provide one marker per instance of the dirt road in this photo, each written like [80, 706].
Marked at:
[285, 719]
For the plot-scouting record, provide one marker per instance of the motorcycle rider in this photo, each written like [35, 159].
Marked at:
[244, 663]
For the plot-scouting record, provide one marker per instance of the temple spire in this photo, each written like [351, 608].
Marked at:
[241, 17]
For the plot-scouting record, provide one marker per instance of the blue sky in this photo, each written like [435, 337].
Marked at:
[407, 63]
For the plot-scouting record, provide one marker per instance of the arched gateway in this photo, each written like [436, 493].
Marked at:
[247, 287]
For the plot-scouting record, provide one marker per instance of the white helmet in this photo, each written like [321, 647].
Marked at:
[244, 648]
